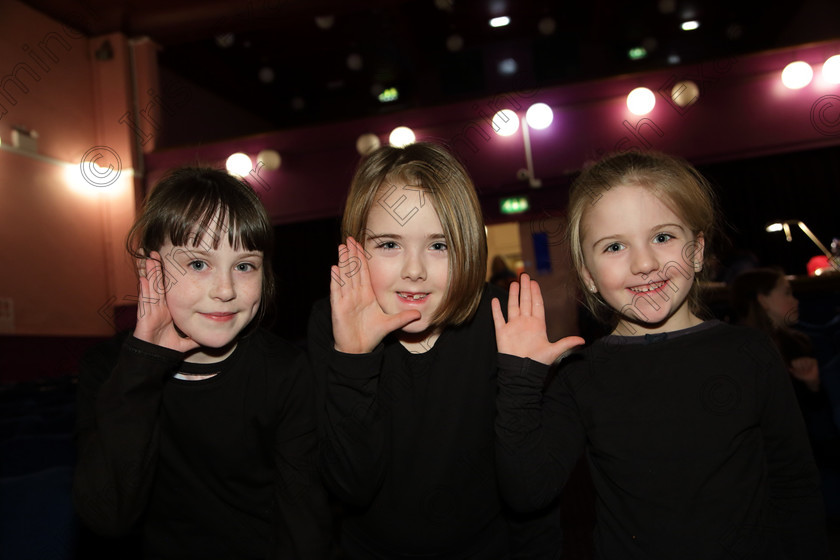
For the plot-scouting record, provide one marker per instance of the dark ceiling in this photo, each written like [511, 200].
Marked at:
[303, 62]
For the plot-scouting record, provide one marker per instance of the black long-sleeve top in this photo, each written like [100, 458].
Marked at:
[408, 443]
[695, 444]
[224, 467]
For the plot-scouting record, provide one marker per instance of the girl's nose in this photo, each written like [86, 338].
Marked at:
[644, 261]
[414, 266]
[223, 286]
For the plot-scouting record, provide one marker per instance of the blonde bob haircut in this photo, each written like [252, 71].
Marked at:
[674, 181]
[448, 185]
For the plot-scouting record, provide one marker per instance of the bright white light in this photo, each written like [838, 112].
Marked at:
[690, 25]
[797, 75]
[774, 227]
[505, 122]
[831, 70]
[500, 21]
[641, 101]
[401, 136]
[539, 116]
[239, 164]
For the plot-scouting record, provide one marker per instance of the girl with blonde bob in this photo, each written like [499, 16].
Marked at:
[405, 359]
[692, 432]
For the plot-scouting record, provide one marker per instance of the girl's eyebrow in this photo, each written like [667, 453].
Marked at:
[240, 254]
[662, 226]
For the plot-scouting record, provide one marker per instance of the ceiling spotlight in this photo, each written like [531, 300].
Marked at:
[797, 75]
[401, 136]
[266, 75]
[641, 101]
[354, 62]
[508, 67]
[547, 25]
[324, 22]
[690, 25]
[454, 43]
[239, 164]
[500, 21]
[505, 122]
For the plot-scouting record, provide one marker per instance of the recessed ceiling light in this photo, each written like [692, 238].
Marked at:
[500, 21]
[690, 25]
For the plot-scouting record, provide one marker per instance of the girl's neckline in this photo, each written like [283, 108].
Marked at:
[206, 371]
[661, 337]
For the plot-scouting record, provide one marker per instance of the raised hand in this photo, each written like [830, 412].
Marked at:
[524, 333]
[154, 322]
[807, 370]
[358, 322]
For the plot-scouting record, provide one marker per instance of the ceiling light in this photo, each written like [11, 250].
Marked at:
[454, 43]
[239, 164]
[690, 25]
[401, 136]
[797, 75]
[641, 101]
[539, 116]
[500, 21]
[505, 122]
[507, 67]
[831, 70]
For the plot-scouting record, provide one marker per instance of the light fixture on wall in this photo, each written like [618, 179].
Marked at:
[785, 227]
[797, 75]
[506, 123]
[270, 159]
[641, 101]
[239, 164]
[401, 137]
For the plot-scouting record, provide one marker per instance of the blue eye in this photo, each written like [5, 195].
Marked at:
[387, 245]
[613, 247]
[245, 267]
[439, 246]
[662, 237]
[198, 266]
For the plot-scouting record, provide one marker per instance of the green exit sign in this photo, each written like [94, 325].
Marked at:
[514, 204]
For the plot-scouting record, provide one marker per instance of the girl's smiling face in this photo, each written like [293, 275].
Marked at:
[409, 261]
[641, 258]
[212, 294]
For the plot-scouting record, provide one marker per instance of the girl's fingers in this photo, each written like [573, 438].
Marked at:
[564, 345]
[498, 317]
[513, 301]
[525, 295]
[537, 303]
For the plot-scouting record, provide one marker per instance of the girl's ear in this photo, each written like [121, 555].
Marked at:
[587, 280]
[699, 252]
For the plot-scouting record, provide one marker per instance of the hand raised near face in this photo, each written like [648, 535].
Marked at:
[358, 321]
[524, 333]
[154, 322]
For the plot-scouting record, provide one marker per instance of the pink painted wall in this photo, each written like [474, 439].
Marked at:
[61, 227]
